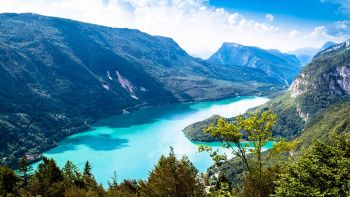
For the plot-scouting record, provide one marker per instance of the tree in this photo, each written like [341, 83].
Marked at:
[128, 188]
[172, 177]
[72, 176]
[323, 171]
[90, 183]
[47, 179]
[8, 180]
[257, 129]
[87, 169]
[24, 171]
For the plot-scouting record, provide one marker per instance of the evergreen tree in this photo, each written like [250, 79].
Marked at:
[90, 183]
[8, 181]
[87, 169]
[172, 177]
[24, 170]
[47, 180]
[72, 176]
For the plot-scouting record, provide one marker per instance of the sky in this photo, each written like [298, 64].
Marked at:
[201, 26]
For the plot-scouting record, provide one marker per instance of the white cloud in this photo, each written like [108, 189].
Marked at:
[293, 33]
[337, 32]
[269, 17]
[198, 27]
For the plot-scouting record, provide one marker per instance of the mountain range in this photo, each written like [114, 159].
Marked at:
[280, 66]
[58, 76]
[315, 105]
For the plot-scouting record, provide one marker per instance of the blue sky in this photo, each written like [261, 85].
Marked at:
[201, 26]
[308, 10]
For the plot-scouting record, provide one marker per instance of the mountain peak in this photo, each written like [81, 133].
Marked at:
[231, 44]
[343, 45]
[327, 45]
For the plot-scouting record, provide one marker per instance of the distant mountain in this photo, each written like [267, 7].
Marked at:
[305, 55]
[280, 66]
[315, 101]
[58, 76]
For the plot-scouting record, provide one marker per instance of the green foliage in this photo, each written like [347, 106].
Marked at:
[24, 172]
[72, 176]
[334, 120]
[257, 128]
[128, 188]
[172, 177]
[8, 181]
[195, 131]
[224, 190]
[323, 171]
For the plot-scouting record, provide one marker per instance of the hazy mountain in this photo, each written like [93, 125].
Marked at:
[305, 55]
[280, 66]
[57, 76]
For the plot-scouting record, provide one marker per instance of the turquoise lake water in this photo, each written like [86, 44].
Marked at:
[131, 144]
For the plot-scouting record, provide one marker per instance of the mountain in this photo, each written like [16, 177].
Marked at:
[305, 55]
[280, 66]
[319, 94]
[58, 76]
[322, 83]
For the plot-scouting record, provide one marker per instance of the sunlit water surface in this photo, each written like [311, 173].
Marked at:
[131, 144]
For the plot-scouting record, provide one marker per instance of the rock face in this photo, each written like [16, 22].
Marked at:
[57, 76]
[344, 78]
[298, 86]
[283, 67]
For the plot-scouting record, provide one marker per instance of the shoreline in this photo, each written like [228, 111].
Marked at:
[88, 125]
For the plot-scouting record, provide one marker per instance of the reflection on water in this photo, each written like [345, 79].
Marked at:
[131, 144]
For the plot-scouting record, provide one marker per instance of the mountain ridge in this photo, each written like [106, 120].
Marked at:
[281, 66]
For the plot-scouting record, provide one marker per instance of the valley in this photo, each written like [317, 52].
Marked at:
[59, 76]
[174, 98]
[131, 144]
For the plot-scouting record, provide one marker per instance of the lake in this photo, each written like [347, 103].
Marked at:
[132, 143]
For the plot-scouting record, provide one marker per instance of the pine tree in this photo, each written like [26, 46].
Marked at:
[24, 170]
[8, 180]
[87, 169]
[47, 180]
[72, 176]
[89, 181]
[172, 177]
